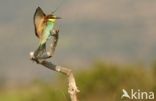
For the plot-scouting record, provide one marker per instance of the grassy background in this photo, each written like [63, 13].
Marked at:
[99, 82]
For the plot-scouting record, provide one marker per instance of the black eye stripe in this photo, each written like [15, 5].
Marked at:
[50, 16]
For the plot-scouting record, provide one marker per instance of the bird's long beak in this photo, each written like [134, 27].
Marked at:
[58, 18]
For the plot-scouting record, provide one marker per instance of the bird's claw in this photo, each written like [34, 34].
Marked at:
[55, 32]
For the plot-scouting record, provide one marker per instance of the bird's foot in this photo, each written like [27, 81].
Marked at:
[55, 32]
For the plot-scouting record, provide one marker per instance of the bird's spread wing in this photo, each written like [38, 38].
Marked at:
[38, 21]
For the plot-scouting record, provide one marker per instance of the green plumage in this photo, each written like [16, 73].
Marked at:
[44, 24]
[47, 32]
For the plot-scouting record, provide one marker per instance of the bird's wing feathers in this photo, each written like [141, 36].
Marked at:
[38, 21]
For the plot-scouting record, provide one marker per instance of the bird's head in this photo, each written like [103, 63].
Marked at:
[52, 18]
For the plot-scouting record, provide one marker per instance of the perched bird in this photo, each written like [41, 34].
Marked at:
[44, 25]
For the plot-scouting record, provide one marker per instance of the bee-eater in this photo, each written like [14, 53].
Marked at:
[44, 25]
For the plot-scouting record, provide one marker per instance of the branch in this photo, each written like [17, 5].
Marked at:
[72, 88]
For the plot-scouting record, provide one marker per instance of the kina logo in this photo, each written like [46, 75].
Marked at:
[137, 95]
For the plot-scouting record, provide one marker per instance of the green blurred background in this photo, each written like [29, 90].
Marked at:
[110, 45]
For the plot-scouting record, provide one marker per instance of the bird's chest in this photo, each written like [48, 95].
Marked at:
[48, 28]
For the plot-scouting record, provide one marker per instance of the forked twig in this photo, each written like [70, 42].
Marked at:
[72, 88]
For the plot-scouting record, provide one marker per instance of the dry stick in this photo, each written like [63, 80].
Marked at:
[72, 88]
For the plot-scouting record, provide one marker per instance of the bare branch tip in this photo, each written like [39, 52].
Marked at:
[31, 54]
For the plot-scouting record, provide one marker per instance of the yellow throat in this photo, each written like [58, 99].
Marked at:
[52, 20]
